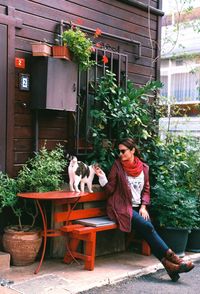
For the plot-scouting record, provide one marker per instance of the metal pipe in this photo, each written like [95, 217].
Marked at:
[109, 36]
[143, 6]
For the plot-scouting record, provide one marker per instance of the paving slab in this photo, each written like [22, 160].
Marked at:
[59, 278]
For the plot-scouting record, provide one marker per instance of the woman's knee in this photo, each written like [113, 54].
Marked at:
[147, 227]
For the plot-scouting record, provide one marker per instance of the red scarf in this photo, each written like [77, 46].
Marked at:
[134, 168]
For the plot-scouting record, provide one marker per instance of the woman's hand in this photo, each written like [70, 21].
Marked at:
[98, 171]
[144, 213]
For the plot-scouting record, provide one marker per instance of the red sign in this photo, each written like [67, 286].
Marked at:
[19, 62]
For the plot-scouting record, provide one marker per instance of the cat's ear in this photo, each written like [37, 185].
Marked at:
[68, 156]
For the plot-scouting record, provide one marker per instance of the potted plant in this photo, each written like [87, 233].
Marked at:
[61, 51]
[174, 205]
[193, 243]
[41, 173]
[22, 242]
[79, 45]
[193, 177]
[41, 49]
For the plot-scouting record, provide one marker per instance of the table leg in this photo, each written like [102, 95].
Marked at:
[44, 220]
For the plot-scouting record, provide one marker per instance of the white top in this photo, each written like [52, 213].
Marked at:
[136, 185]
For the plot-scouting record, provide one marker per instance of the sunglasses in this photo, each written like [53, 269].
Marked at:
[123, 150]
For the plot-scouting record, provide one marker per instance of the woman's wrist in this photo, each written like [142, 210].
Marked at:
[103, 180]
[143, 206]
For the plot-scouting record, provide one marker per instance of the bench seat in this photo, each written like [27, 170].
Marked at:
[82, 224]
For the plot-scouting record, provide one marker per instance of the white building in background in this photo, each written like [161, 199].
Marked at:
[180, 66]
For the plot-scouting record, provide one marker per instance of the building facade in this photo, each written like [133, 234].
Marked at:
[130, 38]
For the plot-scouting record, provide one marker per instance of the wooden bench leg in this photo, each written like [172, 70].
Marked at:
[71, 247]
[132, 238]
[146, 250]
[90, 250]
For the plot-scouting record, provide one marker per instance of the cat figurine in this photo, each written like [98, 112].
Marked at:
[80, 173]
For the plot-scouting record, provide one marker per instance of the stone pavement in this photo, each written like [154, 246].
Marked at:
[55, 277]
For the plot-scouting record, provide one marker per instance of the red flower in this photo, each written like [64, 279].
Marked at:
[98, 32]
[105, 59]
[73, 27]
[98, 45]
[79, 21]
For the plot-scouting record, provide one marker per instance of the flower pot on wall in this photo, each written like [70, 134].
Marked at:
[193, 243]
[175, 238]
[61, 52]
[22, 246]
[41, 49]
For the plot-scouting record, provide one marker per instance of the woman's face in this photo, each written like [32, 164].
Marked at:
[125, 153]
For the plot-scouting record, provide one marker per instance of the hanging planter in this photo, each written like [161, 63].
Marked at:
[61, 52]
[41, 49]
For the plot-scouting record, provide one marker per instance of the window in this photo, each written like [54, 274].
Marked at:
[185, 87]
[181, 81]
[117, 63]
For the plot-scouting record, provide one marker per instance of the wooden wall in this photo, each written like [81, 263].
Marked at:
[39, 20]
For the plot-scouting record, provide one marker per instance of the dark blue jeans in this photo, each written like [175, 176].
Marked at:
[147, 231]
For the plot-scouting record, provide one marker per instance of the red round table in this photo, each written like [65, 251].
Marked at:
[53, 196]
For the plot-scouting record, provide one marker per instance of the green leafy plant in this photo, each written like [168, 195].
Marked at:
[42, 173]
[80, 45]
[174, 195]
[120, 113]
[8, 191]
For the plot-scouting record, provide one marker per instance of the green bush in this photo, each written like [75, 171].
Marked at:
[42, 173]
[8, 191]
[119, 113]
[174, 170]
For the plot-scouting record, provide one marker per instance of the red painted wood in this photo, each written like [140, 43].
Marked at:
[52, 195]
[78, 214]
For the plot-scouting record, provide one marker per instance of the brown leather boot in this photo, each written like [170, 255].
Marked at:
[172, 269]
[171, 256]
[186, 266]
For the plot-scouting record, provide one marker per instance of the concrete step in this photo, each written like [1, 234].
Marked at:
[4, 261]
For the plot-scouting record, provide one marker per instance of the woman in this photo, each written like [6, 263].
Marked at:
[129, 190]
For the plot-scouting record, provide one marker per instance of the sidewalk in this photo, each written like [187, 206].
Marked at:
[55, 277]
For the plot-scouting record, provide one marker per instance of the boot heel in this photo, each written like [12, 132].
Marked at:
[174, 276]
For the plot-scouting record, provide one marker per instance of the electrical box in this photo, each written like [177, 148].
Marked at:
[53, 84]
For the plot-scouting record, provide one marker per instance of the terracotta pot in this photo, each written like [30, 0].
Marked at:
[61, 52]
[41, 49]
[22, 246]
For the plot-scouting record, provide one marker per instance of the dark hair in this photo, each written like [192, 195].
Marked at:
[130, 144]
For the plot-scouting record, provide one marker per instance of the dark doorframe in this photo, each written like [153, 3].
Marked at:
[3, 94]
[8, 24]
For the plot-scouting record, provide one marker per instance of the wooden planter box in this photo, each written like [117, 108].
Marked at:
[41, 49]
[61, 52]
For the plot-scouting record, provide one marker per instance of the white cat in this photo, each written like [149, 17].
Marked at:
[82, 173]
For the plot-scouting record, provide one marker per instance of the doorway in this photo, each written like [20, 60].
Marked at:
[3, 94]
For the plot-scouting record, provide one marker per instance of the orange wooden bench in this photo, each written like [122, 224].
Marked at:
[82, 224]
